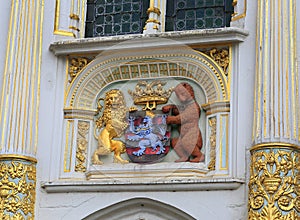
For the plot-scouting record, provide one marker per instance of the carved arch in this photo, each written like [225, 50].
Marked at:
[139, 208]
[115, 68]
[108, 68]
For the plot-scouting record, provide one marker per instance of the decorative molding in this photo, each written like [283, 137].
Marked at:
[221, 57]
[72, 113]
[82, 144]
[163, 186]
[216, 107]
[212, 143]
[191, 64]
[76, 64]
[274, 191]
[69, 18]
[17, 188]
[142, 41]
[17, 156]
[144, 208]
[240, 10]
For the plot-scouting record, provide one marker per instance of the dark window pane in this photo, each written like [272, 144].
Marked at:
[115, 17]
[126, 7]
[190, 4]
[126, 27]
[118, 8]
[190, 24]
[99, 20]
[108, 29]
[197, 14]
[218, 22]
[109, 9]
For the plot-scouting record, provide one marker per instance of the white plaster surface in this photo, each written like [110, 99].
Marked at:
[221, 204]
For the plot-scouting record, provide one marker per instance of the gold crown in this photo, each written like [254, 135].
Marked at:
[154, 92]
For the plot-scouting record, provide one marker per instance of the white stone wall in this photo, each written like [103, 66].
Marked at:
[70, 199]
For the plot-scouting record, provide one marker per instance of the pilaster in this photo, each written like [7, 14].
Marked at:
[19, 109]
[274, 168]
[153, 23]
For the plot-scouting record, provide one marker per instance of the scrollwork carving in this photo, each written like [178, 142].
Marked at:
[221, 56]
[82, 142]
[76, 65]
[17, 189]
[213, 143]
[274, 183]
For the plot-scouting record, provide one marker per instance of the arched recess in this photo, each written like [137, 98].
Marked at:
[180, 62]
[139, 208]
[116, 67]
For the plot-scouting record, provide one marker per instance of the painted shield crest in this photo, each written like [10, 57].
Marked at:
[147, 137]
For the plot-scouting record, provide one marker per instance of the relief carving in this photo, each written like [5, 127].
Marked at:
[82, 142]
[17, 189]
[189, 143]
[221, 57]
[76, 65]
[114, 122]
[147, 132]
[213, 143]
[274, 191]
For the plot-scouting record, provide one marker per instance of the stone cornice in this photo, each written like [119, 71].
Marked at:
[194, 37]
[180, 185]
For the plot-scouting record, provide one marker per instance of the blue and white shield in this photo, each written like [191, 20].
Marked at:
[147, 137]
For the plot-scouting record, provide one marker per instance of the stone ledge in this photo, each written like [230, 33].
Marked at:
[193, 37]
[64, 186]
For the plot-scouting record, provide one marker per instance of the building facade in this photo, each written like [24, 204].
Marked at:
[152, 109]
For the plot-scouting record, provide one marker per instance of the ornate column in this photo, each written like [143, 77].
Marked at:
[19, 110]
[274, 191]
[153, 22]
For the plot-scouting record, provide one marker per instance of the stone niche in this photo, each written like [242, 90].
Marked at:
[129, 71]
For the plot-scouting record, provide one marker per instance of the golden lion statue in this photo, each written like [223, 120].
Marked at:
[114, 122]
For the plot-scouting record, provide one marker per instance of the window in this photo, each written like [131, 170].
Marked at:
[119, 17]
[197, 14]
[115, 17]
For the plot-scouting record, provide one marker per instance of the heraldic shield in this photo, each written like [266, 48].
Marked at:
[147, 137]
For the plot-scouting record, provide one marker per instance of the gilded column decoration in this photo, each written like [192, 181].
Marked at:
[17, 187]
[19, 111]
[82, 143]
[276, 114]
[274, 175]
[274, 190]
[213, 143]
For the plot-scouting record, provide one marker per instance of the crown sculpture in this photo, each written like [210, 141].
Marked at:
[150, 94]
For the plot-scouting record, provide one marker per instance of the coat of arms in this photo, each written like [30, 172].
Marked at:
[147, 136]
